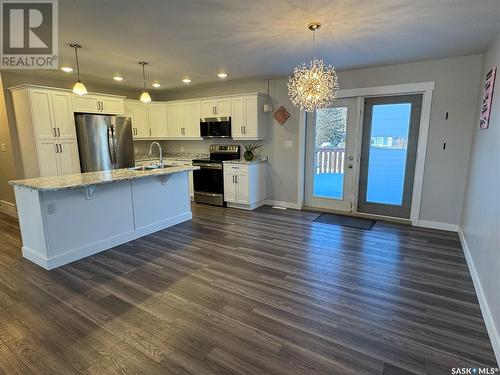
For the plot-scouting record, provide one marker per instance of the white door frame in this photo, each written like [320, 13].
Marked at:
[424, 88]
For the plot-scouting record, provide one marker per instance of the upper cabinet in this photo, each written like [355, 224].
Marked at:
[184, 119]
[248, 121]
[102, 104]
[216, 107]
[148, 120]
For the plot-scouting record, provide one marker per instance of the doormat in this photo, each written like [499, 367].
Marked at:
[346, 221]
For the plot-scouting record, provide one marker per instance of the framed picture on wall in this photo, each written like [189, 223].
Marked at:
[489, 85]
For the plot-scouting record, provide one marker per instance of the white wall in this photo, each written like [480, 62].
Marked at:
[7, 167]
[481, 213]
[456, 90]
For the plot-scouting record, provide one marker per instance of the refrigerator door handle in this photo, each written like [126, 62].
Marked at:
[111, 145]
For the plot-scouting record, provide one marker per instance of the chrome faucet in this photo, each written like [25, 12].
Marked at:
[159, 150]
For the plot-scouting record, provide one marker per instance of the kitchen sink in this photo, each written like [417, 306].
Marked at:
[150, 167]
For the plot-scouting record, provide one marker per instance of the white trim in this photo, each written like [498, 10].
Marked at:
[8, 208]
[248, 207]
[302, 159]
[418, 178]
[387, 90]
[426, 88]
[483, 302]
[293, 205]
[437, 225]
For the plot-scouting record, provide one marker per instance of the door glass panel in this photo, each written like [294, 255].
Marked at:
[329, 153]
[388, 153]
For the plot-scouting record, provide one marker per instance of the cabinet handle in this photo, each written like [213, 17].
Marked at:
[54, 130]
[245, 129]
[234, 181]
[102, 106]
[57, 149]
[60, 148]
[58, 132]
[236, 178]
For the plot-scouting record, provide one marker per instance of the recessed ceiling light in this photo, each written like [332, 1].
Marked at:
[156, 84]
[67, 69]
[222, 75]
[118, 78]
[186, 80]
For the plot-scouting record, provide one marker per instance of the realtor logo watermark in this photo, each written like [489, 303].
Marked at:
[29, 34]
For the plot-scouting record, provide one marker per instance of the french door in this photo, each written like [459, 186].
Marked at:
[388, 154]
[331, 162]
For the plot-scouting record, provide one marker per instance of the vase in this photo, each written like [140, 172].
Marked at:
[248, 155]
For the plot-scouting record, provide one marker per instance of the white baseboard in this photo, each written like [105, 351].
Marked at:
[437, 225]
[8, 208]
[483, 302]
[293, 205]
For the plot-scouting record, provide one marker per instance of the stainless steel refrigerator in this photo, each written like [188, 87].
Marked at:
[104, 142]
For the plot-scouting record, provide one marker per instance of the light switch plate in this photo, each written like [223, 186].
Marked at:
[3, 147]
[288, 144]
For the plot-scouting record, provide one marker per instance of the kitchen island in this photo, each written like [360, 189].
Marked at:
[66, 218]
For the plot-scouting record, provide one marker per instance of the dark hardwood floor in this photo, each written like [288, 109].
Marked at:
[236, 292]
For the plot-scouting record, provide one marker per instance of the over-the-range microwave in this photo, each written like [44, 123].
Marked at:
[215, 127]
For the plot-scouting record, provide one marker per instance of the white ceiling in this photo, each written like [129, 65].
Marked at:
[258, 38]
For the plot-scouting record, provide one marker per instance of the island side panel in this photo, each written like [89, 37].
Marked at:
[160, 202]
[79, 226]
[31, 222]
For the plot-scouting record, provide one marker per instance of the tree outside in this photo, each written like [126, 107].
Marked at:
[331, 127]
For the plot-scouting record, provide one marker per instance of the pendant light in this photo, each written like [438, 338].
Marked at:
[145, 98]
[268, 104]
[314, 85]
[79, 88]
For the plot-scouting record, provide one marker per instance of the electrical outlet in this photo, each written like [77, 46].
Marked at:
[51, 208]
[3, 147]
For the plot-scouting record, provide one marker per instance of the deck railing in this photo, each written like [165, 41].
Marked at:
[329, 160]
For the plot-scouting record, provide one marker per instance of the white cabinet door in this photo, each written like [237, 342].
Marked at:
[242, 186]
[140, 120]
[158, 119]
[47, 158]
[175, 115]
[223, 107]
[192, 119]
[229, 185]
[41, 107]
[112, 106]
[68, 158]
[251, 125]
[208, 108]
[238, 117]
[64, 120]
[86, 104]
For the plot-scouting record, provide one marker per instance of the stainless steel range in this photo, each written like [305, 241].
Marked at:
[209, 179]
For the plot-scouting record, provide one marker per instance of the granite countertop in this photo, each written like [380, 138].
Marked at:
[74, 181]
[170, 156]
[256, 160]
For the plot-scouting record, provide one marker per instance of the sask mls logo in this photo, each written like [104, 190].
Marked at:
[29, 34]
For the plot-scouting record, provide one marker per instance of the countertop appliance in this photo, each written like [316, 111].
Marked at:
[208, 181]
[104, 142]
[215, 127]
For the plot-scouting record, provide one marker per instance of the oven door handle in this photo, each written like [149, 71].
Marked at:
[208, 166]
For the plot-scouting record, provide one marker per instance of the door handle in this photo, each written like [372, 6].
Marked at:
[349, 166]
[350, 158]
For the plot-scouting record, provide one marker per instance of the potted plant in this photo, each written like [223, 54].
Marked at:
[249, 149]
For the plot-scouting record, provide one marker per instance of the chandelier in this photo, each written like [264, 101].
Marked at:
[313, 85]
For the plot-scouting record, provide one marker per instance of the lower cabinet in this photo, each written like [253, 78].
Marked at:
[244, 185]
[58, 158]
